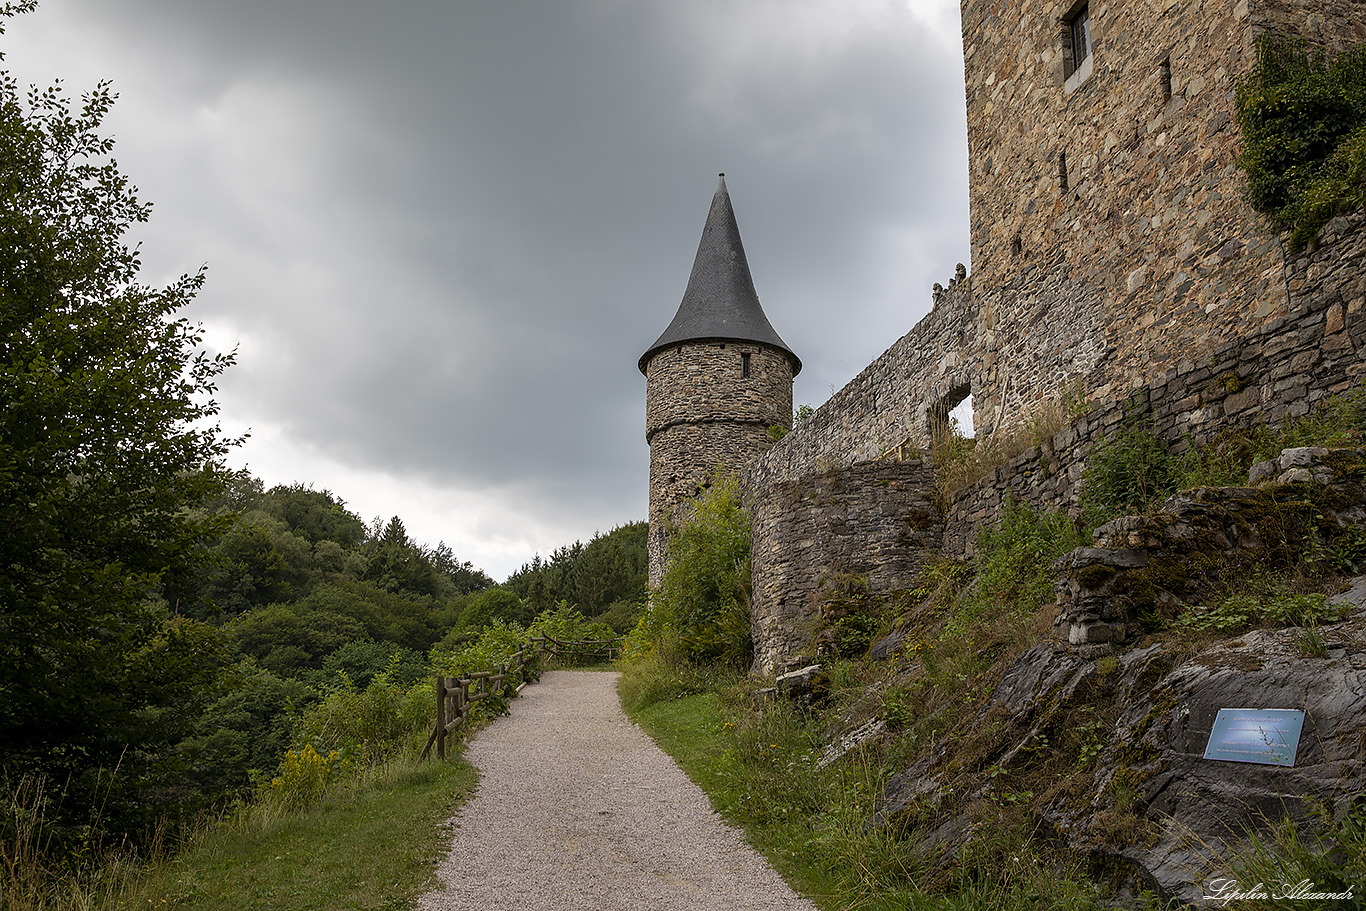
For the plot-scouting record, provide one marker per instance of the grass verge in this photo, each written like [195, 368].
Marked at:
[371, 845]
[693, 730]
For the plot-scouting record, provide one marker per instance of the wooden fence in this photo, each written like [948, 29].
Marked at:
[456, 695]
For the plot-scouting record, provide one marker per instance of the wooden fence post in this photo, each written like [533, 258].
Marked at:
[440, 717]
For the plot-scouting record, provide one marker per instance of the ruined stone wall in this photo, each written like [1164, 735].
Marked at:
[875, 520]
[811, 516]
[797, 540]
[1278, 371]
[889, 402]
[701, 411]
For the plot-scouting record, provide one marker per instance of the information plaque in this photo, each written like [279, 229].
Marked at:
[1267, 736]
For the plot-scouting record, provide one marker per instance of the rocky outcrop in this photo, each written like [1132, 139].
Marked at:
[1149, 803]
[1199, 809]
[1109, 723]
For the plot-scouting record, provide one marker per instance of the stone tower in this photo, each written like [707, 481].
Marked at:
[716, 380]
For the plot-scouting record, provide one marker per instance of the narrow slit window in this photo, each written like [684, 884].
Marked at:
[744, 365]
[1165, 77]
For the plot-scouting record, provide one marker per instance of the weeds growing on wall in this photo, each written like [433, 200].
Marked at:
[962, 460]
[1133, 469]
[1303, 119]
[1127, 472]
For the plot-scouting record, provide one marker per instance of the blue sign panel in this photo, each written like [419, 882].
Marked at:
[1268, 736]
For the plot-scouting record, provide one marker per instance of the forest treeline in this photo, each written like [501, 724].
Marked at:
[294, 598]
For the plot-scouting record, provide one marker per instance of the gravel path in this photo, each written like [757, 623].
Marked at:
[578, 809]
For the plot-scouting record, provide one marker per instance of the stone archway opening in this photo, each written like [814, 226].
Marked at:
[961, 416]
[953, 412]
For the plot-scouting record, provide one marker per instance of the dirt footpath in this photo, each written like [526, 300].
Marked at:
[578, 809]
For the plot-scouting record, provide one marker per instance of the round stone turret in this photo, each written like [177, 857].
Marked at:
[716, 380]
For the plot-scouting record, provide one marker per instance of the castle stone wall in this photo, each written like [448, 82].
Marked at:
[889, 402]
[814, 481]
[1279, 371]
[876, 520]
[1109, 233]
[1335, 26]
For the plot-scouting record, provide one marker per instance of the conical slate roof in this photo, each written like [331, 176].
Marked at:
[720, 302]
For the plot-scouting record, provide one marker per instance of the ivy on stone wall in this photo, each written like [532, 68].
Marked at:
[1303, 119]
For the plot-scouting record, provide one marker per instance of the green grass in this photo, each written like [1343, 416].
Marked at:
[373, 845]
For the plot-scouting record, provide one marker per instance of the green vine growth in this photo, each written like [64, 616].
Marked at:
[1303, 120]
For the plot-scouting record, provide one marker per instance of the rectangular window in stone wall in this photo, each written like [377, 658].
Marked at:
[1080, 26]
[1076, 46]
[744, 365]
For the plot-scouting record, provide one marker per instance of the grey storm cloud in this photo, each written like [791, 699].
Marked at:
[441, 234]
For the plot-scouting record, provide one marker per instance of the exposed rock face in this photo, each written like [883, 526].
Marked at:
[1142, 796]
[1202, 807]
[809, 684]
[1153, 803]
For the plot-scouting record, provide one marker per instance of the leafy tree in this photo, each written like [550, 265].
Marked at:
[106, 429]
[365, 659]
[495, 604]
[243, 732]
[292, 638]
[315, 515]
[463, 577]
[258, 561]
[611, 568]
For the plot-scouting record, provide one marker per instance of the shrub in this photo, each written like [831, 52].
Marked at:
[370, 724]
[1014, 560]
[565, 624]
[496, 643]
[701, 610]
[1303, 119]
[305, 773]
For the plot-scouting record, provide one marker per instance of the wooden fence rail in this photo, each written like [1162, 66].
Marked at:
[455, 695]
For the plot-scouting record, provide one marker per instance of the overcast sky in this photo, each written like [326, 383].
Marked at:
[441, 232]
